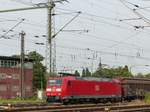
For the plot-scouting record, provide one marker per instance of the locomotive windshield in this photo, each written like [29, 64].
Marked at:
[56, 82]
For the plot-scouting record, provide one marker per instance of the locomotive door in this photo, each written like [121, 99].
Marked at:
[71, 89]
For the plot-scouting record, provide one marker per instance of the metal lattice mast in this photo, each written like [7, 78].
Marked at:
[49, 38]
[53, 48]
[50, 62]
[54, 43]
[51, 44]
[51, 41]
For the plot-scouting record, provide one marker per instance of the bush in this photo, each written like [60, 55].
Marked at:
[147, 98]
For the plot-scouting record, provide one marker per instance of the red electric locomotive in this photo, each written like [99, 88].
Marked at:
[72, 89]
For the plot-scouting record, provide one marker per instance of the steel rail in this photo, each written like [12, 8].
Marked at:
[82, 108]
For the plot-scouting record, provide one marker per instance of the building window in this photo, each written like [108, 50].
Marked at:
[3, 87]
[8, 63]
[15, 76]
[5, 63]
[2, 63]
[13, 63]
[15, 88]
[2, 76]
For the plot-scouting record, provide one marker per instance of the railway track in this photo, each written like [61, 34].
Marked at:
[81, 108]
[49, 107]
[24, 104]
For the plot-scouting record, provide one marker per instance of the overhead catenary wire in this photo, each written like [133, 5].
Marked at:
[135, 12]
[99, 6]
[91, 15]
[3, 36]
[117, 25]
[117, 42]
[35, 26]
[113, 53]
[32, 42]
[24, 2]
[114, 45]
[78, 13]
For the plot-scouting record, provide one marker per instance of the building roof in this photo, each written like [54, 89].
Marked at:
[14, 58]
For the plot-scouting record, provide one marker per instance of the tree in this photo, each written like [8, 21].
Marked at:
[140, 75]
[39, 71]
[83, 73]
[147, 75]
[35, 56]
[86, 73]
[125, 71]
[77, 73]
[112, 72]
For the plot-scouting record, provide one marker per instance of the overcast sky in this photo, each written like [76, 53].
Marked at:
[116, 34]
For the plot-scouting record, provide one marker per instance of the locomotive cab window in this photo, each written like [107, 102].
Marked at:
[57, 82]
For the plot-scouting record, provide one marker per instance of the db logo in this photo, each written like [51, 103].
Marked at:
[97, 88]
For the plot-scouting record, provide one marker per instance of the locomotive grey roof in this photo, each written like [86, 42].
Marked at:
[93, 79]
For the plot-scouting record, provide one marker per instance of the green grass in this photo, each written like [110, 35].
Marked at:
[19, 100]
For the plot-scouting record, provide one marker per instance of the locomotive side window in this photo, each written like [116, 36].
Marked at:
[55, 82]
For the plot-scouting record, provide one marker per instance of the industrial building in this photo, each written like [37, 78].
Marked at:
[10, 77]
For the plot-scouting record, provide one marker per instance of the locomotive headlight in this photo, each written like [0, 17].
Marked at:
[58, 89]
[48, 89]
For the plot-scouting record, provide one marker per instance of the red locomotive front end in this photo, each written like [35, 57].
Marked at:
[56, 87]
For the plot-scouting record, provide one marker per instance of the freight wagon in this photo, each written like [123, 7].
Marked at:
[134, 88]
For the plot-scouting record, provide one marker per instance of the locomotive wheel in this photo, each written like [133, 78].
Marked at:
[48, 100]
[65, 102]
[96, 101]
